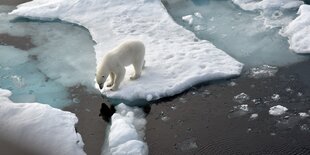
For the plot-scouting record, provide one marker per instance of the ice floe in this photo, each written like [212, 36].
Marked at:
[175, 58]
[126, 132]
[39, 127]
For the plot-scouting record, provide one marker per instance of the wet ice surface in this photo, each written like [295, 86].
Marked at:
[45, 72]
[223, 23]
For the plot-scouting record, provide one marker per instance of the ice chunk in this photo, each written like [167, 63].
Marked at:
[298, 31]
[187, 144]
[244, 107]
[275, 97]
[188, 18]
[303, 114]
[253, 116]
[39, 127]
[126, 133]
[188, 60]
[277, 110]
[241, 98]
[263, 71]
[197, 14]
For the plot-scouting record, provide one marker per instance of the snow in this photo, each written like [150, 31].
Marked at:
[126, 132]
[187, 60]
[298, 31]
[39, 127]
[277, 110]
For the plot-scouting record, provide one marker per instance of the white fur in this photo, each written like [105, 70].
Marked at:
[128, 53]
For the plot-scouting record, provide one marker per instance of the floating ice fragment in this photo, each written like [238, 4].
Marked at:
[304, 127]
[188, 144]
[182, 100]
[165, 118]
[289, 90]
[256, 101]
[199, 28]
[197, 14]
[232, 83]
[188, 18]
[253, 116]
[299, 94]
[241, 98]
[273, 134]
[277, 110]
[275, 97]
[76, 100]
[263, 71]
[303, 114]
[244, 107]
[18, 81]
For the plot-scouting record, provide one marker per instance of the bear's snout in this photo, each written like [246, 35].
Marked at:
[100, 85]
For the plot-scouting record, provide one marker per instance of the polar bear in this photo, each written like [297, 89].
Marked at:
[130, 52]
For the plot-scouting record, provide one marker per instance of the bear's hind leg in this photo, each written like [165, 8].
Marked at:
[119, 76]
[138, 69]
[112, 75]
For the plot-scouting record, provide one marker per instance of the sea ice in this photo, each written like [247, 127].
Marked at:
[39, 127]
[187, 60]
[277, 110]
[187, 144]
[126, 132]
[298, 31]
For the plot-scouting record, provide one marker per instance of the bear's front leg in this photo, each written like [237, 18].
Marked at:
[119, 76]
[112, 75]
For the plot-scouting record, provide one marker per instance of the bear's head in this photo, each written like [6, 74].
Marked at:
[101, 77]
